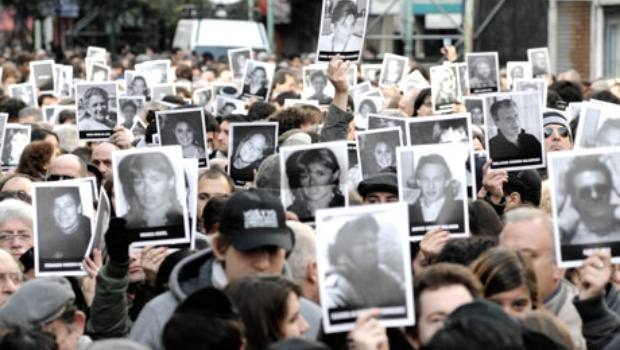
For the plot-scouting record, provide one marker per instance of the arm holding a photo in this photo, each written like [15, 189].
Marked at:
[338, 121]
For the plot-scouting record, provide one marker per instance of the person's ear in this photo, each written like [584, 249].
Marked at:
[312, 273]
[514, 199]
[218, 249]
[79, 321]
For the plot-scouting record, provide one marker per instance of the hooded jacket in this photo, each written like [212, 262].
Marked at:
[190, 274]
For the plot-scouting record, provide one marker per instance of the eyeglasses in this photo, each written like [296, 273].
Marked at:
[58, 177]
[562, 131]
[595, 191]
[7, 237]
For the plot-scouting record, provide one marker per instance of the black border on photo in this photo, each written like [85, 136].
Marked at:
[385, 135]
[530, 133]
[325, 45]
[165, 159]
[240, 132]
[193, 117]
[388, 57]
[43, 76]
[453, 216]
[44, 224]
[567, 221]
[111, 89]
[491, 58]
[336, 230]
[337, 155]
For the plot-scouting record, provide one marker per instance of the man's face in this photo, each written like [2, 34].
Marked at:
[556, 141]
[15, 237]
[102, 158]
[483, 69]
[435, 307]
[209, 188]
[129, 112]
[263, 261]
[10, 277]
[540, 60]
[66, 212]
[380, 197]
[531, 238]
[591, 195]
[432, 181]
[508, 122]
[97, 107]
[318, 84]
[222, 137]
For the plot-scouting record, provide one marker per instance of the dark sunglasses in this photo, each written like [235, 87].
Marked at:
[562, 131]
[58, 177]
[601, 190]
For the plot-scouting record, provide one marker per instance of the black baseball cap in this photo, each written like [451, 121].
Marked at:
[381, 182]
[255, 218]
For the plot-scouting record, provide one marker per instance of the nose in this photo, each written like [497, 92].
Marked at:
[303, 325]
[9, 286]
[261, 261]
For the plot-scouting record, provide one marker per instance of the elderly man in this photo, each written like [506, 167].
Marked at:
[15, 227]
[10, 276]
[67, 166]
[102, 158]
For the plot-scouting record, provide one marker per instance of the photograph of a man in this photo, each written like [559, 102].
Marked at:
[539, 59]
[64, 232]
[483, 72]
[510, 145]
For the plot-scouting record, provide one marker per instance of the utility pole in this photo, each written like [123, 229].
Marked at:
[468, 25]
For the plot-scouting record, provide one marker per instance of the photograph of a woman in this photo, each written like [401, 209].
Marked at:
[343, 28]
[314, 178]
[257, 79]
[184, 127]
[16, 138]
[251, 144]
[377, 150]
[150, 188]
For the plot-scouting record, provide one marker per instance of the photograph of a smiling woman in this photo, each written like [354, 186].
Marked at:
[343, 27]
[184, 127]
[251, 143]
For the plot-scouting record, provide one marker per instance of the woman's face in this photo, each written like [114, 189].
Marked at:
[317, 181]
[293, 325]
[138, 85]
[426, 108]
[252, 149]
[384, 155]
[184, 134]
[149, 186]
[97, 107]
[515, 302]
[344, 28]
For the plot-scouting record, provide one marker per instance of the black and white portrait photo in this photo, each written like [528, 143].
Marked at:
[249, 144]
[539, 60]
[137, 85]
[432, 180]
[257, 79]
[363, 262]
[130, 110]
[445, 88]
[454, 128]
[483, 68]
[371, 72]
[64, 80]
[518, 70]
[599, 125]
[314, 177]
[150, 193]
[202, 97]
[474, 105]
[237, 59]
[97, 108]
[463, 78]
[366, 105]
[584, 203]
[360, 89]
[98, 73]
[64, 226]
[98, 53]
[156, 72]
[376, 121]
[343, 27]
[514, 131]
[393, 69]
[316, 86]
[159, 91]
[536, 85]
[16, 138]
[43, 76]
[225, 106]
[377, 150]
[186, 128]
[25, 92]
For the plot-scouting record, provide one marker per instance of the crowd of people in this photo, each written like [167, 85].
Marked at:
[249, 278]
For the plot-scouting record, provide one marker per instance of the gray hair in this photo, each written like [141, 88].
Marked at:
[15, 209]
[531, 214]
[304, 251]
[30, 112]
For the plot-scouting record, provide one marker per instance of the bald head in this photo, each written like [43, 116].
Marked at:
[18, 184]
[11, 274]
[68, 165]
[102, 158]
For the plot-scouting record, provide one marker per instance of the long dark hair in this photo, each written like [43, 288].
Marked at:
[300, 160]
